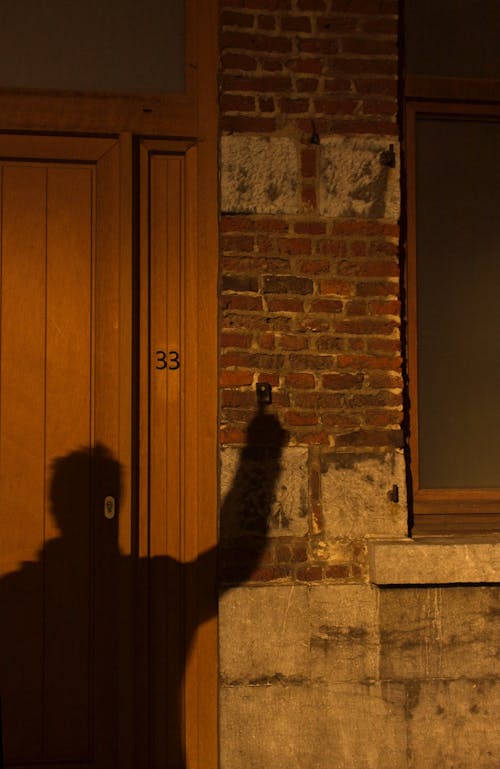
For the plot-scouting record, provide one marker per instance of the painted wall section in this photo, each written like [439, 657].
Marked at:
[320, 667]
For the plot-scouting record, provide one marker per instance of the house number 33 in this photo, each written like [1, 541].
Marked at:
[169, 360]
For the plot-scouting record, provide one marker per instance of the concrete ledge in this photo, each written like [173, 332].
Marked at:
[435, 560]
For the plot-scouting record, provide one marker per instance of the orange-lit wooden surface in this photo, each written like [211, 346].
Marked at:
[60, 376]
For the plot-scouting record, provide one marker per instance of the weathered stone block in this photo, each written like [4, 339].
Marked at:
[357, 494]
[344, 632]
[454, 725]
[259, 175]
[248, 485]
[354, 182]
[439, 632]
[264, 634]
[346, 726]
[437, 560]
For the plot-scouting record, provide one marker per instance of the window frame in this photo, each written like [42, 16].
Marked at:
[438, 510]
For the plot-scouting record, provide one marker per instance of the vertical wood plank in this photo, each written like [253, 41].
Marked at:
[22, 453]
[68, 428]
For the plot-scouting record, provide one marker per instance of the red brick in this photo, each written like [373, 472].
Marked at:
[337, 571]
[238, 123]
[369, 46]
[359, 362]
[285, 305]
[327, 305]
[231, 103]
[240, 302]
[239, 398]
[335, 25]
[377, 288]
[369, 269]
[255, 42]
[236, 378]
[311, 5]
[310, 574]
[383, 418]
[336, 106]
[237, 243]
[323, 46]
[385, 308]
[305, 66]
[266, 21]
[315, 439]
[378, 107]
[342, 381]
[337, 287]
[365, 326]
[294, 342]
[392, 438]
[266, 104]
[315, 267]
[310, 227]
[296, 24]
[234, 339]
[235, 19]
[311, 362]
[301, 381]
[306, 85]
[232, 435]
[267, 340]
[238, 61]
[294, 246]
[309, 197]
[257, 83]
[294, 106]
[301, 419]
[377, 86]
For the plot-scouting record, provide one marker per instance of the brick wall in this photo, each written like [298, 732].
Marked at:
[319, 667]
[310, 273]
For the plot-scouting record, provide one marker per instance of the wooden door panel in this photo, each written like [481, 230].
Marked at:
[59, 623]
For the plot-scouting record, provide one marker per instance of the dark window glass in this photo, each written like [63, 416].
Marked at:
[453, 38]
[106, 46]
[458, 302]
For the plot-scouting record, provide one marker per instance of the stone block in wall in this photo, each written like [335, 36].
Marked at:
[264, 634]
[325, 633]
[454, 724]
[357, 495]
[342, 726]
[354, 180]
[344, 632]
[244, 486]
[449, 632]
[259, 175]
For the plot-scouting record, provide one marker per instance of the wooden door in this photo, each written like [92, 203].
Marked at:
[108, 361]
[63, 442]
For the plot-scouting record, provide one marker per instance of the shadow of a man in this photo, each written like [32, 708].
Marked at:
[49, 606]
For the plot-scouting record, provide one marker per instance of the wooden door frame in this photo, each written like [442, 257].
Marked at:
[187, 118]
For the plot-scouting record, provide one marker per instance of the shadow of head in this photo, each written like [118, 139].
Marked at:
[78, 480]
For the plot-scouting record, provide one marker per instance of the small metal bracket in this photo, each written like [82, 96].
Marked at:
[264, 393]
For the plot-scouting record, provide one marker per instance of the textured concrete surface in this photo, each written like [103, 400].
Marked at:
[454, 725]
[258, 175]
[354, 182]
[290, 507]
[289, 726]
[357, 495]
[357, 677]
[447, 632]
